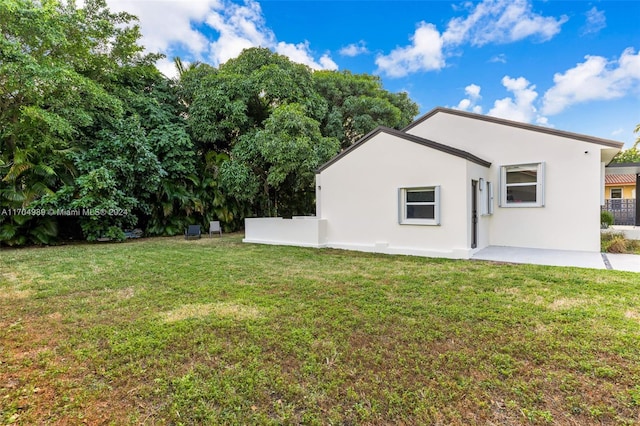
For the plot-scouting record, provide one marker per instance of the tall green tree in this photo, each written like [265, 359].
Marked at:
[210, 124]
[279, 121]
[357, 104]
[47, 96]
[86, 120]
[236, 98]
[274, 167]
[231, 110]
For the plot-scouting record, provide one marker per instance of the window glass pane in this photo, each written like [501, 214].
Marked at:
[522, 175]
[420, 212]
[421, 196]
[616, 192]
[521, 194]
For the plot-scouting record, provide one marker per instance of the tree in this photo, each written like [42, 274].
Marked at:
[236, 110]
[358, 104]
[237, 98]
[79, 102]
[275, 167]
[279, 121]
[47, 96]
[88, 123]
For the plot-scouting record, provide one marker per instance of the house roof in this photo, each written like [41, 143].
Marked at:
[623, 179]
[408, 137]
[622, 168]
[615, 165]
[502, 121]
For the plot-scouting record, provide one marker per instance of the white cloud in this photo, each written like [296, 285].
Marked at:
[502, 58]
[326, 63]
[239, 27]
[355, 49]
[470, 103]
[491, 21]
[594, 79]
[464, 104]
[520, 107]
[501, 21]
[473, 90]
[167, 67]
[424, 54]
[301, 54]
[596, 21]
[166, 22]
[170, 26]
[543, 121]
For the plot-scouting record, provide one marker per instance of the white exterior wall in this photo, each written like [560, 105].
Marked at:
[305, 231]
[570, 217]
[358, 198]
[475, 172]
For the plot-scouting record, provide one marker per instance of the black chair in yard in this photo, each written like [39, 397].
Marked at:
[193, 231]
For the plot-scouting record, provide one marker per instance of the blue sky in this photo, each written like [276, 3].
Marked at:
[571, 65]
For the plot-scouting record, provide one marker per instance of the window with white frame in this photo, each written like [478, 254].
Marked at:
[616, 193]
[522, 185]
[419, 206]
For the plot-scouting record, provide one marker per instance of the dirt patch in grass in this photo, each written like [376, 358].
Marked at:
[223, 309]
[632, 314]
[15, 294]
[22, 276]
[10, 276]
[513, 291]
[562, 303]
[15, 288]
[126, 293]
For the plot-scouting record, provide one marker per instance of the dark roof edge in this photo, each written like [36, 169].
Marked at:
[623, 165]
[412, 138]
[525, 126]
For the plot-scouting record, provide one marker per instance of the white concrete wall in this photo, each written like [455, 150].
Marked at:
[359, 199]
[602, 181]
[305, 231]
[476, 172]
[629, 232]
[570, 219]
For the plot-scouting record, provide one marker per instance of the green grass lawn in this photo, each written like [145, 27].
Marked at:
[213, 331]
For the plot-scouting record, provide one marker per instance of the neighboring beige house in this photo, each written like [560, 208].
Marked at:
[620, 186]
[620, 193]
[450, 184]
[620, 180]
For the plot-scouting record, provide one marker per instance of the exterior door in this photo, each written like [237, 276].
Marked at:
[474, 214]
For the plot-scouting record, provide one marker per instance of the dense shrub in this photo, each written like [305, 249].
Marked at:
[606, 219]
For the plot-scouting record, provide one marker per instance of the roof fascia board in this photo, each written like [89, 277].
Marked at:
[612, 165]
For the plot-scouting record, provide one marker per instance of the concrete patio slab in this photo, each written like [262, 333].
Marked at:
[624, 262]
[579, 259]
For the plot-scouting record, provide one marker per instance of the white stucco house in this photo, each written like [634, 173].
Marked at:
[450, 184]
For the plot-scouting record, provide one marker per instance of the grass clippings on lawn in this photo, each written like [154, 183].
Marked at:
[213, 331]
